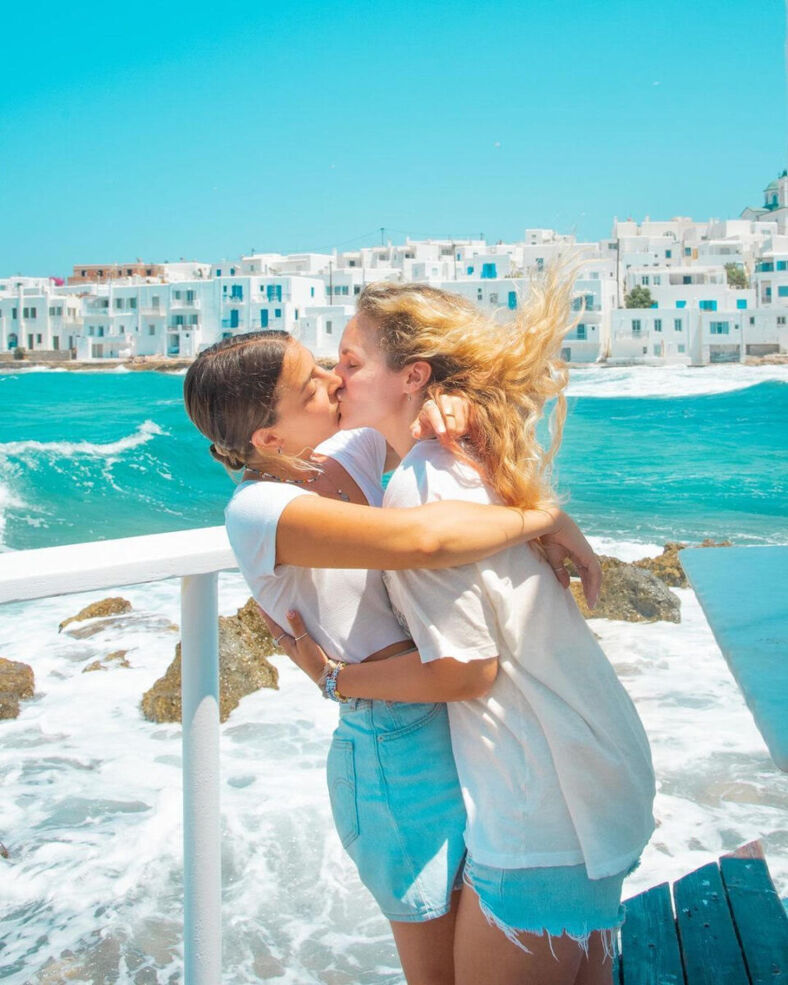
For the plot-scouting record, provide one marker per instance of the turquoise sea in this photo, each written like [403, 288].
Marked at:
[90, 813]
[87, 456]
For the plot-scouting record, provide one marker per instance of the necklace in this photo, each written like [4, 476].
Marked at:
[296, 482]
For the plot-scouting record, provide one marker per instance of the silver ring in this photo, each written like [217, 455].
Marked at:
[297, 638]
[276, 641]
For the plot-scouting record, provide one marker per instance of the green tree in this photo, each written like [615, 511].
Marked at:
[737, 275]
[639, 297]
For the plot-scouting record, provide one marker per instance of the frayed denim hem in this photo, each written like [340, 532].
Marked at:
[581, 936]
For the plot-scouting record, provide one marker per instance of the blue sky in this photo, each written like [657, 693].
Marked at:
[205, 130]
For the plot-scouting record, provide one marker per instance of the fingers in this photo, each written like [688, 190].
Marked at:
[273, 627]
[296, 625]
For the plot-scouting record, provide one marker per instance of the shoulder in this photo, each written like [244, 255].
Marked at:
[431, 472]
[259, 503]
[360, 444]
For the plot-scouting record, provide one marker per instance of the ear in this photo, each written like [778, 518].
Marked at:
[417, 376]
[266, 441]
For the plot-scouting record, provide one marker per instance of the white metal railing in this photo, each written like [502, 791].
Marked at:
[196, 556]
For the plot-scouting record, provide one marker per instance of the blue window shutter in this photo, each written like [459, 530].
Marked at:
[264, 318]
[512, 300]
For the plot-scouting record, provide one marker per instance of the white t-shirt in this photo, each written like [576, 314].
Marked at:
[346, 611]
[554, 763]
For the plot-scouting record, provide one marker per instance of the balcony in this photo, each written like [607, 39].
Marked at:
[196, 557]
[194, 304]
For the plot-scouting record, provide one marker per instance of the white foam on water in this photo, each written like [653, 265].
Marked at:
[8, 499]
[86, 449]
[91, 801]
[669, 381]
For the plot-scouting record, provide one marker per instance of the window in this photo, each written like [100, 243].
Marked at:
[225, 335]
[489, 271]
[39, 339]
[15, 312]
[782, 292]
[687, 251]
[277, 312]
[479, 294]
[752, 319]
[707, 305]
[151, 329]
[719, 327]
[644, 280]
[470, 270]
[668, 254]
[781, 319]
[657, 280]
[677, 327]
[329, 328]
[232, 271]
[682, 348]
[686, 279]
[192, 320]
[121, 330]
[581, 331]
[100, 331]
[154, 301]
[635, 326]
[119, 304]
[274, 292]
[357, 288]
[312, 290]
[782, 264]
[493, 299]
[657, 324]
[264, 318]
[681, 304]
[128, 271]
[237, 292]
[295, 314]
[512, 300]
[176, 295]
[741, 303]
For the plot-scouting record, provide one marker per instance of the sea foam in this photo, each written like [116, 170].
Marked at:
[91, 801]
[669, 381]
[88, 449]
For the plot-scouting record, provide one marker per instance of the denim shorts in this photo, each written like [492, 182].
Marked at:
[397, 804]
[554, 900]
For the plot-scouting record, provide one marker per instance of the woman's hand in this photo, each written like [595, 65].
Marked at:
[446, 418]
[568, 543]
[298, 645]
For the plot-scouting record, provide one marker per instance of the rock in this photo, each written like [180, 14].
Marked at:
[629, 593]
[96, 665]
[106, 607]
[667, 565]
[3, 851]
[16, 683]
[244, 645]
[118, 657]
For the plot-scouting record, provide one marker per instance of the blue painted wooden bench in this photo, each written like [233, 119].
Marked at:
[720, 925]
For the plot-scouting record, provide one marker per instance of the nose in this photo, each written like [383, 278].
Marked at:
[333, 382]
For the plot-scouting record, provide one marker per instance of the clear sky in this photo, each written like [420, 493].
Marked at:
[205, 130]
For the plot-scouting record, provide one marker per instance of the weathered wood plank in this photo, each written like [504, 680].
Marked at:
[709, 946]
[761, 921]
[649, 945]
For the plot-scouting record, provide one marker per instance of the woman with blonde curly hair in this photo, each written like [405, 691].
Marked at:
[552, 758]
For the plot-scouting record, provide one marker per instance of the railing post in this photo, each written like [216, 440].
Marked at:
[202, 877]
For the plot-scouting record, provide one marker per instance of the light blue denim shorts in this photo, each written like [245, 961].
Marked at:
[397, 804]
[554, 900]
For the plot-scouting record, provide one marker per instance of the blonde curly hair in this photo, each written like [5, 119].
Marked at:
[507, 370]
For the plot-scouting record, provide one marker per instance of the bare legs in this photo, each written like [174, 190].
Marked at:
[426, 950]
[484, 956]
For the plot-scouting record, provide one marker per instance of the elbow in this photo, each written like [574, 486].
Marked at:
[429, 548]
[474, 680]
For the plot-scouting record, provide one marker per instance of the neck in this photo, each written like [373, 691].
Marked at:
[396, 428]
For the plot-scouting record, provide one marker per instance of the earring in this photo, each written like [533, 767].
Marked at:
[279, 450]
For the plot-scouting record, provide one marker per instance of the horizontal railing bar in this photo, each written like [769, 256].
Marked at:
[48, 571]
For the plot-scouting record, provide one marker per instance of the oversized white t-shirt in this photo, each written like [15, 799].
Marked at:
[554, 763]
[346, 611]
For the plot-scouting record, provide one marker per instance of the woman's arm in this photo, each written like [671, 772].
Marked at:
[316, 532]
[402, 677]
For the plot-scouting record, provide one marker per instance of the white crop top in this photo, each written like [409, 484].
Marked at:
[346, 611]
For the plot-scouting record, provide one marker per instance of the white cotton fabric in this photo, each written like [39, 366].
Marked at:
[346, 611]
[554, 763]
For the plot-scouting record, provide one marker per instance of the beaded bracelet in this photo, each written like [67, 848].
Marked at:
[330, 686]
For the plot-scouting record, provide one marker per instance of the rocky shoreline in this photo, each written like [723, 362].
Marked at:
[634, 592]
